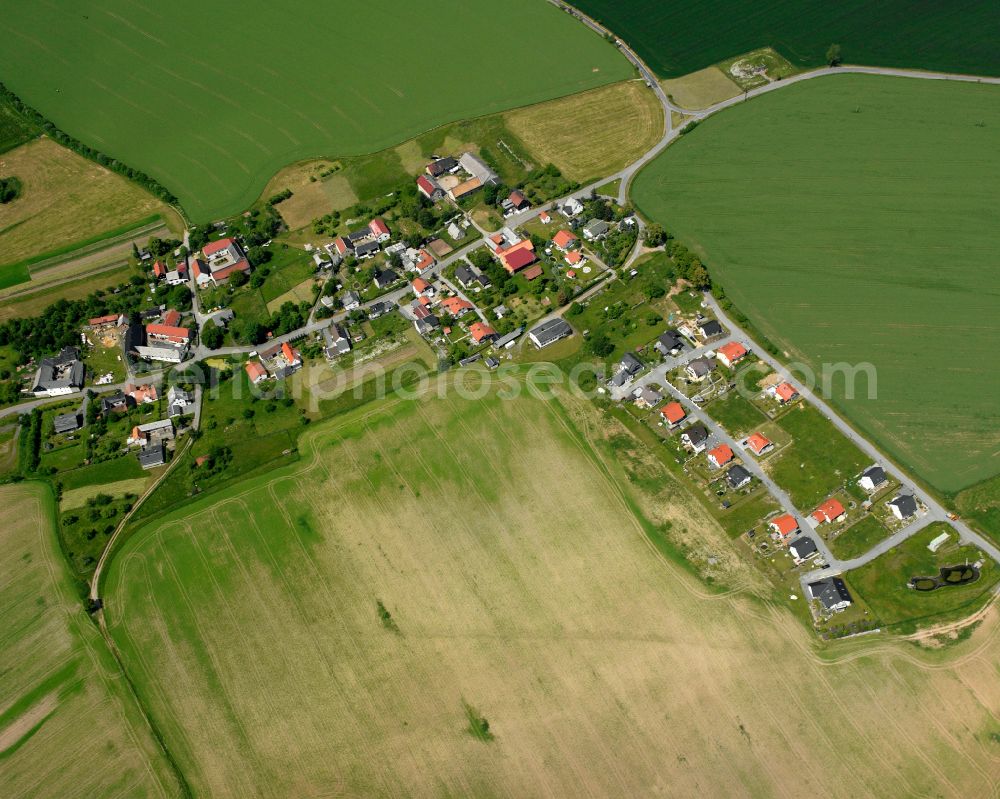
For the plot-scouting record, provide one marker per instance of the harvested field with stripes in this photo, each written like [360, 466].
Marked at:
[68, 726]
[460, 597]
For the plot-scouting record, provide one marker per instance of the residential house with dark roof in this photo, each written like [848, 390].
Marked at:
[873, 478]
[903, 506]
[700, 368]
[709, 328]
[67, 423]
[831, 593]
[385, 278]
[669, 343]
[803, 548]
[550, 332]
[737, 477]
[695, 438]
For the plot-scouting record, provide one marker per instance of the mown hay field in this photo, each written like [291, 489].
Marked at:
[591, 134]
[66, 200]
[854, 220]
[677, 38]
[212, 103]
[68, 726]
[326, 629]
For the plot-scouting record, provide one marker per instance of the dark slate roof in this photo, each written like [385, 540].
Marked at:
[152, 456]
[696, 434]
[630, 364]
[112, 401]
[710, 328]
[135, 336]
[359, 235]
[385, 277]
[379, 309]
[701, 366]
[670, 340]
[366, 248]
[66, 422]
[830, 591]
[804, 546]
[875, 473]
[737, 476]
[550, 331]
[464, 275]
[906, 503]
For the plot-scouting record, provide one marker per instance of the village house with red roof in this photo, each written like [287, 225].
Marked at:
[720, 456]
[731, 354]
[673, 413]
[829, 511]
[222, 259]
[785, 526]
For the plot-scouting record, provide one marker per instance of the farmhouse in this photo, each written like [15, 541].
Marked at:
[151, 432]
[829, 511]
[758, 444]
[700, 368]
[695, 438]
[152, 456]
[549, 332]
[116, 402]
[476, 167]
[903, 506]
[572, 207]
[648, 398]
[873, 478]
[564, 240]
[785, 526]
[61, 374]
[481, 332]
[366, 250]
[720, 456]
[141, 395]
[802, 548]
[731, 354]
[430, 188]
[223, 257]
[785, 392]
[466, 188]
[574, 258]
[255, 371]
[178, 400]
[673, 414]
[507, 341]
[832, 594]
[737, 477]
[669, 343]
[517, 256]
[158, 342]
[66, 423]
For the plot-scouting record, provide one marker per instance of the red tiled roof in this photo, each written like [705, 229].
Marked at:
[290, 355]
[518, 259]
[733, 351]
[159, 269]
[722, 454]
[420, 285]
[535, 271]
[216, 246]
[103, 320]
[378, 227]
[786, 392]
[757, 442]
[168, 331]
[573, 257]
[456, 305]
[673, 412]
[426, 261]
[786, 525]
[425, 185]
[171, 317]
[255, 371]
[563, 239]
[517, 198]
[828, 511]
[479, 331]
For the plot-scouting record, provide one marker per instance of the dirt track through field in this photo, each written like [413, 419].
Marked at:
[501, 542]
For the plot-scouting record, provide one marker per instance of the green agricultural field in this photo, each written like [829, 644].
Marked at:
[676, 38]
[883, 583]
[351, 624]
[213, 103]
[68, 726]
[852, 224]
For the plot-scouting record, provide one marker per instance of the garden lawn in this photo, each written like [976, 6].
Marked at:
[737, 414]
[256, 90]
[819, 460]
[857, 539]
[676, 38]
[883, 583]
[852, 226]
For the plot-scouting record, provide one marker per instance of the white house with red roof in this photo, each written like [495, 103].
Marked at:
[564, 240]
[759, 444]
[481, 332]
[784, 526]
[731, 354]
[380, 230]
[720, 456]
[429, 187]
[673, 413]
[785, 393]
[422, 288]
[222, 258]
[829, 511]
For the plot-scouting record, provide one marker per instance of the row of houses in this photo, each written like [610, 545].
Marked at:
[275, 362]
[363, 243]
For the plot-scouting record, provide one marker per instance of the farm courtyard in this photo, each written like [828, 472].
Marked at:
[216, 124]
[853, 219]
[460, 597]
